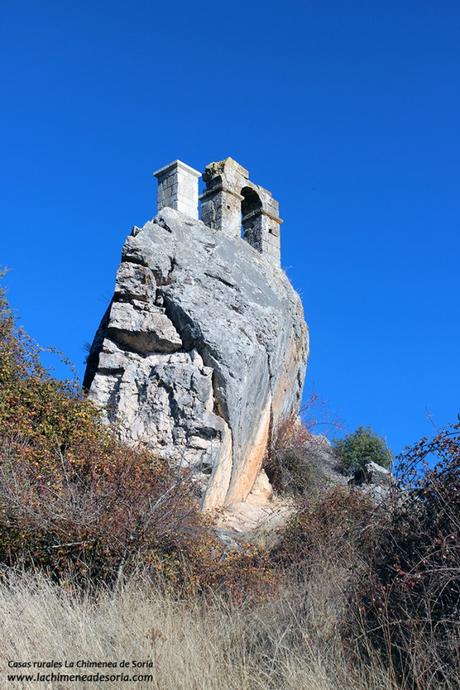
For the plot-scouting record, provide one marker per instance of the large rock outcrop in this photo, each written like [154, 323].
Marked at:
[201, 353]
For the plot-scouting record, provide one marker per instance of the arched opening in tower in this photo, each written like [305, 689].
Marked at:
[250, 206]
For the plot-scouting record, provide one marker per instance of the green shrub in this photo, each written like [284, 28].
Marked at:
[355, 451]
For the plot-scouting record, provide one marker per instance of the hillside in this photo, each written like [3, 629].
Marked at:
[106, 555]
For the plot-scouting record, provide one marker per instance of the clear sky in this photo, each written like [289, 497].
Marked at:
[349, 112]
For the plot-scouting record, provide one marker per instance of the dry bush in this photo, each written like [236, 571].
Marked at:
[296, 459]
[327, 548]
[340, 525]
[410, 604]
[92, 520]
[396, 566]
[73, 499]
[286, 464]
[123, 510]
[79, 504]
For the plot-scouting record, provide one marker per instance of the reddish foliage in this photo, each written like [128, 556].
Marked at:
[77, 503]
[336, 522]
[411, 598]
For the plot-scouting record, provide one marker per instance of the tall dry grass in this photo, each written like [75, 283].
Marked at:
[289, 643]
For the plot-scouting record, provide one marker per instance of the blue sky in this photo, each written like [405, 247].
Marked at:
[348, 112]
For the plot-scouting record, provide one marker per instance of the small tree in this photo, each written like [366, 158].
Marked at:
[361, 447]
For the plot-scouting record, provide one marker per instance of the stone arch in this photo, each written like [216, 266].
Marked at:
[236, 206]
[251, 204]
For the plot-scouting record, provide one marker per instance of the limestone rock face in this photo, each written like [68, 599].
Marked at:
[201, 353]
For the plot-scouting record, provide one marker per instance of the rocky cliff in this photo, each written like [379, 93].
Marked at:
[201, 353]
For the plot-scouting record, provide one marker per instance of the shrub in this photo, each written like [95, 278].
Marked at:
[411, 602]
[286, 464]
[398, 563]
[73, 499]
[77, 503]
[336, 524]
[356, 450]
[93, 518]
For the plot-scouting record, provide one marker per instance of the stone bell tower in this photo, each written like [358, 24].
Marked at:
[232, 202]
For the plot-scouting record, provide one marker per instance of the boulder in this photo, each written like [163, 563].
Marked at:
[201, 354]
[378, 475]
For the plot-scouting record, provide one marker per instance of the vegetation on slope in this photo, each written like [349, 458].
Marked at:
[84, 507]
[361, 447]
[353, 595]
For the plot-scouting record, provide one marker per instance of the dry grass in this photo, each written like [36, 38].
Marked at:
[289, 643]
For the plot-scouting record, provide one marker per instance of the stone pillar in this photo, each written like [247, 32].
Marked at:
[231, 200]
[178, 188]
[262, 231]
[221, 210]
[221, 202]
